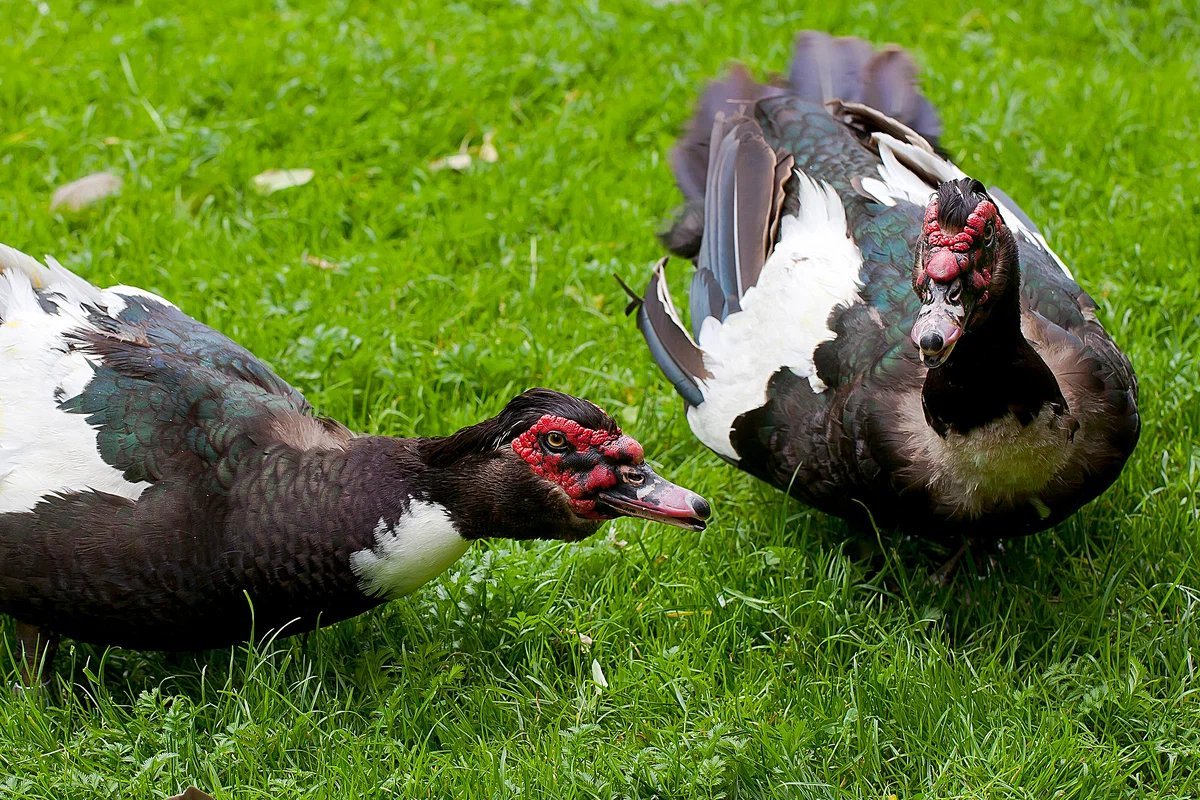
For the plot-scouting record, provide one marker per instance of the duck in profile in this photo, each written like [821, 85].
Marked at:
[872, 330]
[161, 488]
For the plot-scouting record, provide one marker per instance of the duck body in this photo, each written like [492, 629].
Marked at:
[161, 488]
[873, 331]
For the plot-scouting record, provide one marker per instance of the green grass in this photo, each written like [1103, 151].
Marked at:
[763, 658]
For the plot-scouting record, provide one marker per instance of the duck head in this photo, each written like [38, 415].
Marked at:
[966, 262]
[553, 466]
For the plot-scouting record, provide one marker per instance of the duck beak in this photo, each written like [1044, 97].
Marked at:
[643, 494]
[938, 328]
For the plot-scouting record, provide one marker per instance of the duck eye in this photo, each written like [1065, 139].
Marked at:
[989, 233]
[555, 440]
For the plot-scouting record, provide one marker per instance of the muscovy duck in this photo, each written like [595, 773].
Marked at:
[161, 488]
[874, 331]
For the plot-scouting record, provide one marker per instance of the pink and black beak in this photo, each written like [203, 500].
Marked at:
[939, 323]
[641, 493]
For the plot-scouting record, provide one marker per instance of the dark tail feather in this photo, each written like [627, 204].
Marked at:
[690, 157]
[676, 354]
[891, 87]
[741, 214]
[823, 69]
[733, 96]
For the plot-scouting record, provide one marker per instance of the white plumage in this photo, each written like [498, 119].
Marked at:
[409, 552]
[898, 182]
[813, 269]
[44, 449]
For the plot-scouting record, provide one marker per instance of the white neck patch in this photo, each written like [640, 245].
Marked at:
[409, 553]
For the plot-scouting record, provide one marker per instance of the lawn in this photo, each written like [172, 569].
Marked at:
[767, 657]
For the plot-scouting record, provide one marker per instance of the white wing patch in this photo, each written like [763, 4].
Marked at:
[408, 553]
[115, 297]
[897, 182]
[43, 449]
[813, 270]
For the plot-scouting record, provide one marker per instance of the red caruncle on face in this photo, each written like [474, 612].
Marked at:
[949, 256]
[586, 463]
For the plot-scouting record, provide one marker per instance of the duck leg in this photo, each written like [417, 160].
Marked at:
[38, 648]
[983, 554]
[942, 576]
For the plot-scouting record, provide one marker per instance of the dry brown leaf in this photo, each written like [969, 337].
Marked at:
[276, 180]
[191, 793]
[86, 191]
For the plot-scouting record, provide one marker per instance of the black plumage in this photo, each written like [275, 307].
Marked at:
[1016, 409]
[161, 488]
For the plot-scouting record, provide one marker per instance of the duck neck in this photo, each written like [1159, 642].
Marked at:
[993, 372]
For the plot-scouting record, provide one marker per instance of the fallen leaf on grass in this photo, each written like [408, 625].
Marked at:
[191, 793]
[86, 191]
[585, 641]
[458, 162]
[463, 159]
[276, 180]
[318, 262]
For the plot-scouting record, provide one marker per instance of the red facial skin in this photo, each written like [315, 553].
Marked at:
[609, 450]
[948, 257]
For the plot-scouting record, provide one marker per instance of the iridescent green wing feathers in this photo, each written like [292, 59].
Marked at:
[173, 397]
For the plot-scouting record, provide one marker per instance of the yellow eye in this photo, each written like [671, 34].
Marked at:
[556, 441]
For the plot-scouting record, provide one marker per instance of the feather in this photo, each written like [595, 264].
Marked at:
[850, 73]
[707, 299]
[51, 277]
[824, 68]
[740, 208]
[890, 87]
[676, 353]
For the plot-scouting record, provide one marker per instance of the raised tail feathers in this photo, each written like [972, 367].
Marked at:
[673, 349]
[692, 157]
[860, 85]
[825, 69]
[742, 207]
